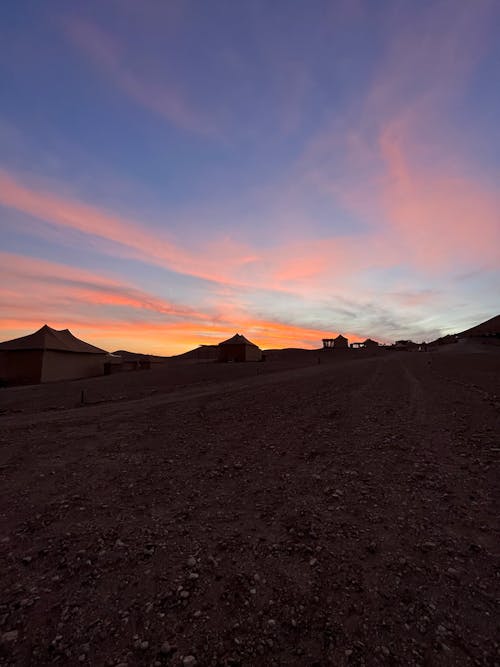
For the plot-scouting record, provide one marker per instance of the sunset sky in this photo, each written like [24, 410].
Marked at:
[174, 172]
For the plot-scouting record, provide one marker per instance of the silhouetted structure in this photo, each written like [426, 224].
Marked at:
[405, 345]
[238, 348]
[49, 355]
[134, 361]
[369, 343]
[339, 343]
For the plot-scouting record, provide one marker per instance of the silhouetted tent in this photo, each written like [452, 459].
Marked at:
[341, 342]
[370, 343]
[49, 355]
[238, 348]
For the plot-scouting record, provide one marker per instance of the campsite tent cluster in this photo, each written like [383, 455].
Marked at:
[49, 355]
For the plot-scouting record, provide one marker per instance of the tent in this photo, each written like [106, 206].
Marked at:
[341, 342]
[49, 355]
[238, 348]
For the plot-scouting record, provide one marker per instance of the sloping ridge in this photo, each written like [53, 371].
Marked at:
[137, 356]
[47, 338]
[489, 327]
[201, 352]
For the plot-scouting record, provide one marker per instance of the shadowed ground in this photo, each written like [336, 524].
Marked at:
[333, 514]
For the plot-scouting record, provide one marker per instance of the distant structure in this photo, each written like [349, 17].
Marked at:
[48, 355]
[405, 345]
[340, 342]
[369, 343]
[134, 361]
[238, 348]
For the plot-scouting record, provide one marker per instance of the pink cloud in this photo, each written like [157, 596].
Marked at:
[443, 217]
[290, 267]
[31, 282]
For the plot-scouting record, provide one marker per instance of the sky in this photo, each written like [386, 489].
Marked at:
[172, 173]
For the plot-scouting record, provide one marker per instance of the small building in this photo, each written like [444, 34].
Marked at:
[367, 344]
[49, 355]
[113, 363]
[339, 343]
[238, 348]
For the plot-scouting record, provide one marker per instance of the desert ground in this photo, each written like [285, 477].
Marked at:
[284, 513]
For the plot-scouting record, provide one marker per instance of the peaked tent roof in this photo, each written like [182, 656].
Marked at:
[237, 339]
[340, 337]
[47, 338]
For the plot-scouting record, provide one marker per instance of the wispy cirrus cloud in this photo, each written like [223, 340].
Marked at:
[163, 97]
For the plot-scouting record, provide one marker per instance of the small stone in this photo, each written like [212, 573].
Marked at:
[189, 661]
[191, 562]
[10, 636]
[144, 645]
[165, 649]
[271, 622]
[184, 594]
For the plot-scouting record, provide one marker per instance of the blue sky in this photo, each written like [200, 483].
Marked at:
[171, 173]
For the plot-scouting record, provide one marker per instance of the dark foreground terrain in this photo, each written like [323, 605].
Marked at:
[334, 514]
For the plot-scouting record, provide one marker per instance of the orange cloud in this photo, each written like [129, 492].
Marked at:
[173, 337]
[37, 291]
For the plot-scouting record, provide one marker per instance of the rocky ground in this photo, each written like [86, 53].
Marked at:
[339, 513]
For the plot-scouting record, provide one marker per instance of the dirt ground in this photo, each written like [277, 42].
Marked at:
[285, 513]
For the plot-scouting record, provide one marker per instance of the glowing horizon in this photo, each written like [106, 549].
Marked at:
[172, 174]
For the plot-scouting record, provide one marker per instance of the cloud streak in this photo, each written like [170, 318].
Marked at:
[37, 291]
[162, 98]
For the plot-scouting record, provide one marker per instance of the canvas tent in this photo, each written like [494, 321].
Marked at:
[49, 355]
[340, 342]
[238, 348]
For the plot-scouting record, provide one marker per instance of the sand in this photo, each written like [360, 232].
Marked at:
[284, 513]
